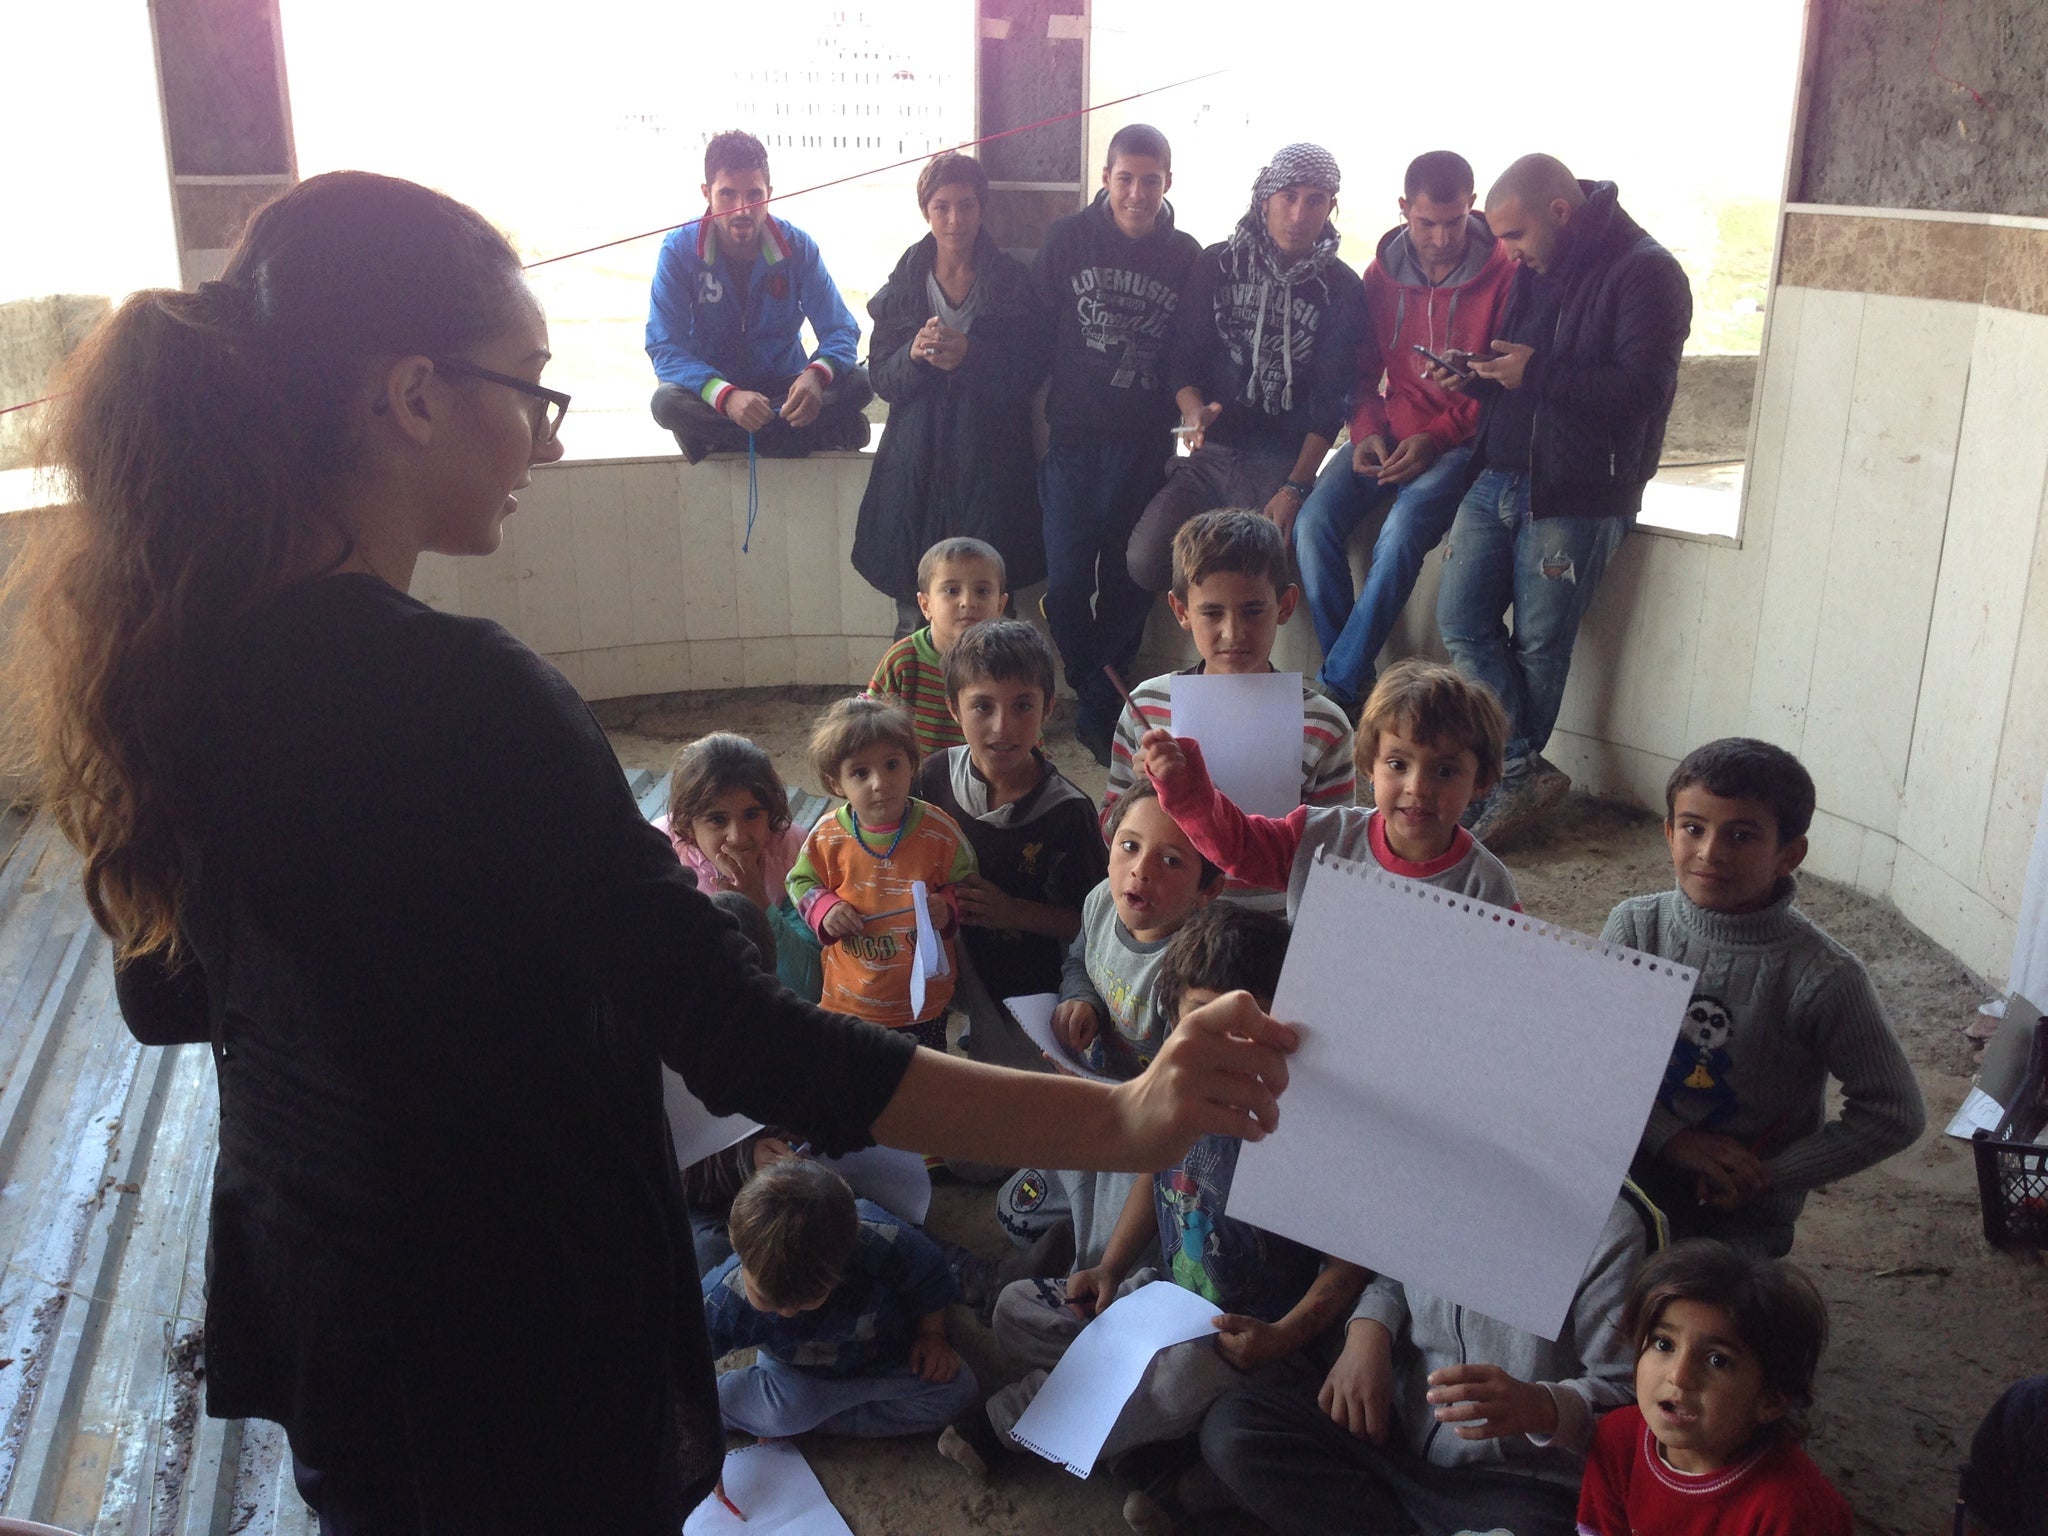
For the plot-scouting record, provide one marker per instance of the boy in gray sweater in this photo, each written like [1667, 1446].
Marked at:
[1740, 1130]
[1437, 1418]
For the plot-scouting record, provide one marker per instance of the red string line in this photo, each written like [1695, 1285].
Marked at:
[1940, 7]
[1044, 122]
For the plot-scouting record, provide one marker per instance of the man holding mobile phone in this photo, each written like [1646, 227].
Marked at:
[1574, 393]
[1435, 289]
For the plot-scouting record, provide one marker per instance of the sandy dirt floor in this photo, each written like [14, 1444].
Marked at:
[1929, 1321]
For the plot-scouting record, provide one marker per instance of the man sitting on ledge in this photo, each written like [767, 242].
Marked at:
[731, 293]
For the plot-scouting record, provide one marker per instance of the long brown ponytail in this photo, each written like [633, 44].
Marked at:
[200, 441]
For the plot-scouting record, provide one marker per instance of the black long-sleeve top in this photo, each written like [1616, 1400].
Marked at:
[441, 957]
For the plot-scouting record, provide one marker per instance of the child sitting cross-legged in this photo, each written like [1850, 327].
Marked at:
[852, 882]
[1431, 740]
[1726, 1344]
[1275, 1296]
[1107, 1015]
[1437, 1418]
[846, 1307]
[1037, 849]
[1740, 1129]
[960, 582]
[1233, 587]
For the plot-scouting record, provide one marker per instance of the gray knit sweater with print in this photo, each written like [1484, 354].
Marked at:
[1778, 1009]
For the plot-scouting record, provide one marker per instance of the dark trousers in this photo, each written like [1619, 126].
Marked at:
[1305, 1475]
[1213, 476]
[700, 430]
[1092, 495]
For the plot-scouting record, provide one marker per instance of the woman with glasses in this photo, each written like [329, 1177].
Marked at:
[383, 860]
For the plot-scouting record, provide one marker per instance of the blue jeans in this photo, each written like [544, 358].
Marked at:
[773, 1400]
[1092, 495]
[1500, 556]
[1351, 634]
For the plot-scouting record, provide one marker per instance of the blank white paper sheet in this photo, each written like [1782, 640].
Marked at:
[1470, 1089]
[1250, 730]
[1078, 1406]
[774, 1487]
[698, 1133]
[1034, 1016]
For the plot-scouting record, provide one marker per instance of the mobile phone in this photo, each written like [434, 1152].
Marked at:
[1444, 362]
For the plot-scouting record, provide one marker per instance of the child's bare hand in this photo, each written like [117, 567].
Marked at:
[1161, 758]
[933, 1359]
[981, 903]
[1075, 1024]
[770, 1150]
[1730, 1175]
[745, 872]
[844, 922]
[940, 910]
[1090, 1290]
[1465, 1394]
[1358, 1394]
[1248, 1343]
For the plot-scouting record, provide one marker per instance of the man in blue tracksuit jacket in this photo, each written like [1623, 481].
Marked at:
[731, 293]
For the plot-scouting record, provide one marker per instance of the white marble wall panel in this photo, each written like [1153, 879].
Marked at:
[544, 539]
[760, 560]
[710, 596]
[604, 553]
[1986, 557]
[1877, 596]
[2023, 751]
[437, 582]
[1830, 330]
[654, 553]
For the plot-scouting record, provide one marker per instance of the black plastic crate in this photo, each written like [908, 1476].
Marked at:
[2012, 1186]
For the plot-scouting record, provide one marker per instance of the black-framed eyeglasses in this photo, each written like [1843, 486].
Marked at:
[552, 407]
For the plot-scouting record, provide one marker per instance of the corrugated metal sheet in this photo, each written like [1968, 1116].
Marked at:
[106, 1159]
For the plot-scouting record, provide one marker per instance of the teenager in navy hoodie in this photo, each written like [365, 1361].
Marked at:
[1439, 281]
[1110, 278]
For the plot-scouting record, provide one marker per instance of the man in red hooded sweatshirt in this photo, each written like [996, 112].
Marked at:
[1438, 281]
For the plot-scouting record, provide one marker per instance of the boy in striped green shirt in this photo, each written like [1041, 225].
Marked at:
[959, 582]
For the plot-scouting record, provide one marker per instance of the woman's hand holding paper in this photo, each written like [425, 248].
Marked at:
[1220, 1073]
[1465, 1394]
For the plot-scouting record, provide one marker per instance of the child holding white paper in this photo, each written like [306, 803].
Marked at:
[1037, 849]
[1439, 1418]
[1106, 1015]
[845, 1306]
[1740, 1130]
[852, 882]
[1431, 741]
[1233, 587]
[1276, 1297]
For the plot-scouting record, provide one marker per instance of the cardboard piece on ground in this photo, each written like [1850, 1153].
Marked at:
[772, 1485]
[1250, 729]
[896, 1180]
[698, 1133]
[1078, 1406]
[1034, 1016]
[1445, 1123]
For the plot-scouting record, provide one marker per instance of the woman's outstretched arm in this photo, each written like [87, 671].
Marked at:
[1221, 1072]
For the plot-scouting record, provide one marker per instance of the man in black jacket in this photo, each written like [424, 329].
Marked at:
[1573, 406]
[1109, 279]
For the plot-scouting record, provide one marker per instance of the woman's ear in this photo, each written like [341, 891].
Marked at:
[408, 395]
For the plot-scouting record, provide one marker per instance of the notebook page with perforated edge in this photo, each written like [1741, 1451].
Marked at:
[776, 1494]
[1471, 1087]
[1073, 1413]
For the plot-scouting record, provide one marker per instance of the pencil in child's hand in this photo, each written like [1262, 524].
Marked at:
[1125, 694]
[728, 1503]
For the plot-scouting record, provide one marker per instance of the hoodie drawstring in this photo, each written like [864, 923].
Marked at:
[1287, 346]
[1251, 380]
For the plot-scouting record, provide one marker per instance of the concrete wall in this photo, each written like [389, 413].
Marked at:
[35, 336]
[1883, 130]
